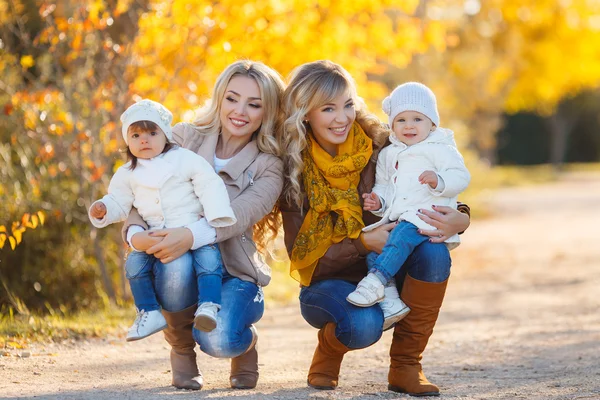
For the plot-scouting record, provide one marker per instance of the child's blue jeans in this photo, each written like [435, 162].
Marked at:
[207, 264]
[403, 240]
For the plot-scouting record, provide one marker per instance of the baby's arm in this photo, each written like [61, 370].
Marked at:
[211, 192]
[117, 202]
[382, 182]
[450, 167]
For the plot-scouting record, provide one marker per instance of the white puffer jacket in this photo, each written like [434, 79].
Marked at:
[171, 190]
[397, 179]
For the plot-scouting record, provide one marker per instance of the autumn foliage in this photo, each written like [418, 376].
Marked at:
[68, 69]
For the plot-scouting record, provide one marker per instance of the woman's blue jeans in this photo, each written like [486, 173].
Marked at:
[358, 327]
[242, 304]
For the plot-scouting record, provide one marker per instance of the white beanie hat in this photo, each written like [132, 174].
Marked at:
[411, 96]
[148, 110]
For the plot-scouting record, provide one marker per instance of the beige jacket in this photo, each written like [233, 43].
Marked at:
[254, 181]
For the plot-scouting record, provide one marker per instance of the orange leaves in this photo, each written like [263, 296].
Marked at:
[28, 221]
[97, 173]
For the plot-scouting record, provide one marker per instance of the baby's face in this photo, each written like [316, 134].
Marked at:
[146, 144]
[411, 127]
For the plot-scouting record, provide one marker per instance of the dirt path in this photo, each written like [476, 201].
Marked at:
[521, 320]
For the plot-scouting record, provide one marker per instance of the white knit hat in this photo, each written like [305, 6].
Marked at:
[411, 96]
[148, 110]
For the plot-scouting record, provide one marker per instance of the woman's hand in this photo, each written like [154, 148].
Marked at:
[447, 222]
[142, 241]
[375, 240]
[175, 242]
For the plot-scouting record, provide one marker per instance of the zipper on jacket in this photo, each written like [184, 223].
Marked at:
[244, 240]
[250, 176]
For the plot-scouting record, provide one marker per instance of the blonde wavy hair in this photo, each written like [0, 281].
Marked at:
[271, 88]
[312, 85]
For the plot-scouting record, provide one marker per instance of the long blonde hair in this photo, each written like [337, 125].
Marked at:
[271, 89]
[310, 86]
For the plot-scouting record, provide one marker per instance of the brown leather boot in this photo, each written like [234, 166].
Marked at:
[325, 367]
[244, 368]
[411, 336]
[183, 357]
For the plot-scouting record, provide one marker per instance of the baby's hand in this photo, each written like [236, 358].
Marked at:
[371, 202]
[98, 210]
[430, 178]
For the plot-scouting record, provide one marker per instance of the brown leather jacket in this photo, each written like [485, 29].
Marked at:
[346, 259]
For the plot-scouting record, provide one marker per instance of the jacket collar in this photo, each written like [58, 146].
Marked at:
[238, 164]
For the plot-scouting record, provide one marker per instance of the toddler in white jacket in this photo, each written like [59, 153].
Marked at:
[170, 187]
[421, 168]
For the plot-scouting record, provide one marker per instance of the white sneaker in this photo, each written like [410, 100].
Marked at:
[205, 318]
[369, 291]
[146, 323]
[393, 307]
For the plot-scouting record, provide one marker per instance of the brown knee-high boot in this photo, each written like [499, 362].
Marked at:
[325, 367]
[411, 336]
[244, 368]
[183, 357]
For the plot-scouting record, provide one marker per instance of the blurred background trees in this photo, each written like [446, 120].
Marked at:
[516, 79]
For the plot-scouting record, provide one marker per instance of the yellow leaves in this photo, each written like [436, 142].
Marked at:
[41, 217]
[27, 61]
[28, 221]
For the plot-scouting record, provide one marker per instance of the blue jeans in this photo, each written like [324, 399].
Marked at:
[207, 262]
[138, 269]
[359, 327]
[242, 305]
[208, 266]
[403, 240]
[325, 301]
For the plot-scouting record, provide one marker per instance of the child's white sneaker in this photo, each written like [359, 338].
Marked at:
[205, 318]
[146, 323]
[369, 291]
[393, 307]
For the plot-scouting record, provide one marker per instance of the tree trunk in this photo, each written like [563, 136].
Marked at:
[106, 281]
[560, 129]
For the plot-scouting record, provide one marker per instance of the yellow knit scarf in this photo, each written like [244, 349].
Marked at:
[331, 185]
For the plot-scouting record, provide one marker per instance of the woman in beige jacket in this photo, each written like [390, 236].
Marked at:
[235, 134]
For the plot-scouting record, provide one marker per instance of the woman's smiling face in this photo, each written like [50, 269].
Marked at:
[331, 122]
[241, 107]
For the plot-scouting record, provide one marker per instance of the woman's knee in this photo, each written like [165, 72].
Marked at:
[430, 262]
[223, 342]
[362, 328]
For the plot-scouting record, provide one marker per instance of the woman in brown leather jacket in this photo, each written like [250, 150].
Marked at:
[330, 152]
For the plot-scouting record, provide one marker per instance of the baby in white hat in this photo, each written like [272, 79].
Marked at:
[420, 169]
[171, 187]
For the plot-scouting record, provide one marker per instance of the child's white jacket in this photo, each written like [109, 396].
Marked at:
[397, 179]
[171, 190]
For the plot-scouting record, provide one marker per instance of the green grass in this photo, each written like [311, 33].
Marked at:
[21, 329]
